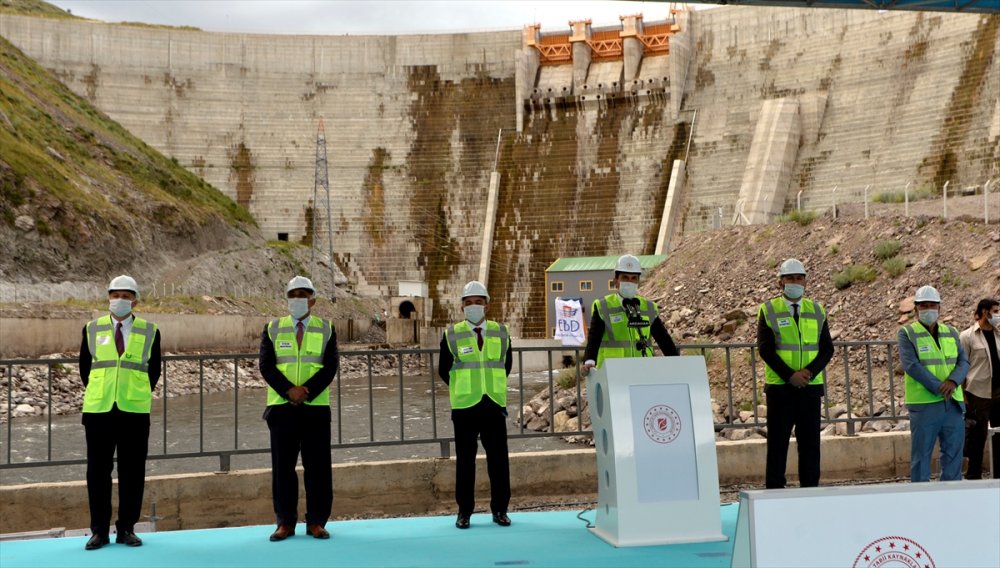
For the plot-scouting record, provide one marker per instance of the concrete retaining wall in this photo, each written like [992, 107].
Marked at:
[418, 486]
[31, 337]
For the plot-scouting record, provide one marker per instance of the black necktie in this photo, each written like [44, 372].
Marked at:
[299, 331]
[479, 338]
[795, 312]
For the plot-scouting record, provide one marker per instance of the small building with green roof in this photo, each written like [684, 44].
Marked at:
[584, 278]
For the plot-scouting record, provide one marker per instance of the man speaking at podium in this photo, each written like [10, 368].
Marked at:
[625, 324]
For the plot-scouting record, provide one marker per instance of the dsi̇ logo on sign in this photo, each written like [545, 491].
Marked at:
[894, 552]
[662, 424]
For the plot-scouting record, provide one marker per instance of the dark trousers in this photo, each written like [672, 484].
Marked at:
[788, 406]
[304, 429]
[128, 432]
[485, 421]
[986, 413]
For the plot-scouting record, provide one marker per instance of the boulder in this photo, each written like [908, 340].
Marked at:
[735, 315]
[560, 419]
[977, 262]
[539, 424]
[24, 223]
[906, 305]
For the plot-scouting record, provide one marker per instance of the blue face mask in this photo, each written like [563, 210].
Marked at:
[474, 313]
[928, 317]
[794, 291]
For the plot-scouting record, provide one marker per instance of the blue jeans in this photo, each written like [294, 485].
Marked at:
[929, 423]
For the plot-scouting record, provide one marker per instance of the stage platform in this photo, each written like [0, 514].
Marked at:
[556, 538]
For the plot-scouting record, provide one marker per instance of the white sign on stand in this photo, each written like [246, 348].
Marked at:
[656, 462]
[921, 525]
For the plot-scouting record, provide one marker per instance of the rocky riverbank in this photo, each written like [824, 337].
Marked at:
[30, 392]
[561, 411]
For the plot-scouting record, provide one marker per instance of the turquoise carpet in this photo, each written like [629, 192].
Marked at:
[535, 539]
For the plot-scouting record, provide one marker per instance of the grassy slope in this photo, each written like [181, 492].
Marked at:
[54, 141]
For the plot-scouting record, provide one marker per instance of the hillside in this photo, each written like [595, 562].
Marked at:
[710, 277]
[35, 8]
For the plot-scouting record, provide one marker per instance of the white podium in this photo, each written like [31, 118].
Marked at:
[658, 477]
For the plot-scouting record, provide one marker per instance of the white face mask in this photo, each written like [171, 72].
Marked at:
[474, 313]
[794, 291]
[298, 307]
[628, 289]
[928, 317]
[995, 320]
[120, 307]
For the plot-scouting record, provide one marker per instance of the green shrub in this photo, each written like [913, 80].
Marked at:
[854, 273]
[884, 250]
[801, 217]
[567, 378]
[894, 266]
[834, 249]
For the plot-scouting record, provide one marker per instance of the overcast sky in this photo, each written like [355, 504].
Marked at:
[361, 16]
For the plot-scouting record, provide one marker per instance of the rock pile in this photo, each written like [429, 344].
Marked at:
[562, 412]
[29, 391]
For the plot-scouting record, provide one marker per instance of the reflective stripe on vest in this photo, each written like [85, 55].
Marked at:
[476, 373]
[619, 339]
[114, 380]
[299, 364]
[939, 361]
[796, 343]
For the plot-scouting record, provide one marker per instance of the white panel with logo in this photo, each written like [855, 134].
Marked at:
[658, 478]
[916, 525]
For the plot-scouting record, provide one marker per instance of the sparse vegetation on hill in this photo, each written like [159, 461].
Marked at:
[81, 196]
[34, 8]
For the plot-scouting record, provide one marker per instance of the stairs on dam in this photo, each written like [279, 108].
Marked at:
[887, 92]
[592, 181]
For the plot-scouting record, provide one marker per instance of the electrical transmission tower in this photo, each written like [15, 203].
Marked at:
[322, 181]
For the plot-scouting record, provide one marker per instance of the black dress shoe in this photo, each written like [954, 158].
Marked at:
[501, 519]
[283, 532]
[128, 538]
[462, 522]
[96, 541]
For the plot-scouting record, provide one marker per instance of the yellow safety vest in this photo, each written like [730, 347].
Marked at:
[114, 380]
[476, 373]
[299, 364]
[940, 361]
[796, 343]
[619, 339]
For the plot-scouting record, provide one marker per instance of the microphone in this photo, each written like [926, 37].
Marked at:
[632, 312]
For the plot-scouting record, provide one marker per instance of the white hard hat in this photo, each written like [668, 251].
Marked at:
[792, 266]
[300, 282]
[628, 263]
[927, 294]
[475, 288]
[124, 282]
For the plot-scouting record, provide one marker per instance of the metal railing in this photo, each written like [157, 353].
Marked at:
[737, 385]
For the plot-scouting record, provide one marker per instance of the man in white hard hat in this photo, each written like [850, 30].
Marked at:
[981, 343]
[623, 324]
[935, 365]
[120, 366]
[475, 361]
[298, 360]
[793, 338]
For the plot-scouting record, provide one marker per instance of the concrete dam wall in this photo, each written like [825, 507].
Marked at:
[758, 104]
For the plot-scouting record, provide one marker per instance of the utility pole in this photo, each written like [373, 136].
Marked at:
[321, 181]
